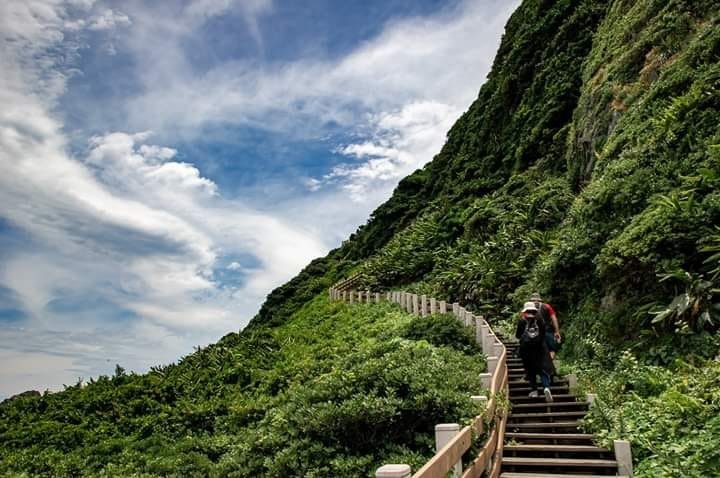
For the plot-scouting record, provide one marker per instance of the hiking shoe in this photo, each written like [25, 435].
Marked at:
[533, 394]
[548, 395]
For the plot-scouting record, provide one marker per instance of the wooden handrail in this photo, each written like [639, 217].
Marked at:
[490, 456]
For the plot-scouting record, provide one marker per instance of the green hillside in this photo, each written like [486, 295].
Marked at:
[587, 169]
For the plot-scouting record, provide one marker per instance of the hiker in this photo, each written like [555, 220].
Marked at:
[533, 350]
[552, 326]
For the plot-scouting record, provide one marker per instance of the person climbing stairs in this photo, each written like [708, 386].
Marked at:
[543, 439]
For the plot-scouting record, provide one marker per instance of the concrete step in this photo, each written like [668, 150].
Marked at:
[550, 475]
[541, 438]
[554, 465]
[527, 407]
[545, 427]
[549, 416]
[557, 451]
[557, 398]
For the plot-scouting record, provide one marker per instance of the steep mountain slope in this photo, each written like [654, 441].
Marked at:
[588, 169]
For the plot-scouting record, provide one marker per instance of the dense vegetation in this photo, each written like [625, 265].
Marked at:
[333, 391]
[588, 169]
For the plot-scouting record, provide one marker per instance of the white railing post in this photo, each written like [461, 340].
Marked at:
[623, 456]
[360, 296]
[455, 307]
[393, 471]
[486, 380]
[445, 432]
[377, 297]
[489, 342]
[498, 348]
[480, 398]
[478, 330]
[369, 297]
[443, 307]
[415, 304]
[352, 296]
[572, 382]
[433, 305]
[423, 305]
[408, 303]
[492, 363]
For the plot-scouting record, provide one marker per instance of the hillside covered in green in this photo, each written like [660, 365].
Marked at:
[587, 169]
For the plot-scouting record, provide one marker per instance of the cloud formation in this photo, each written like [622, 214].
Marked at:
[121, 251]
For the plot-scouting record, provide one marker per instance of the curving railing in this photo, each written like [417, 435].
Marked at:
[452, 441]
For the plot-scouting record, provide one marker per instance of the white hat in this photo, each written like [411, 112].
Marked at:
[529, 306]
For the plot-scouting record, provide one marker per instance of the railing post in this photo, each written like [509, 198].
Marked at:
[360, 296]
[478, 330]
[492, 363]
[498, 348]
[415, 304]
[479, 398]
[352, 296]
[572, 381]
[489, 342]
[393, 471]
[433, 305]
[423, 305]
[623, 456]
[486, 380]
[368, 296]
[377, 297]
[455, 308]
[408, 303]
[443, 307]
[444, 432]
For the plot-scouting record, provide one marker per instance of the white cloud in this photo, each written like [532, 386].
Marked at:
[109, 19]
[124, 224]
[401, 91]
[131, 224]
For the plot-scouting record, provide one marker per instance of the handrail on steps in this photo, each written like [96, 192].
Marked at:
[451, 441]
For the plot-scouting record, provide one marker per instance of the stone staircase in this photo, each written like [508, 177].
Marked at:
[542, 440]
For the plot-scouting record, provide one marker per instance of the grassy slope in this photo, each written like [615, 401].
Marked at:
[334, 391]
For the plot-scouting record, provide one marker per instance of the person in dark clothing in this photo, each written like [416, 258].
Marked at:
[552, 325]
[534, 350]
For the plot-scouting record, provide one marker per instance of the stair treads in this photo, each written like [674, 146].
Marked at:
[513, 474]
[561, 462]
[558, 448]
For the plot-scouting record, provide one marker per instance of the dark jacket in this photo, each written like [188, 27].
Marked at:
[535, 357]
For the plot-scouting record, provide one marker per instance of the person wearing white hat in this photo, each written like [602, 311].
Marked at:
[552, 325]
[533, 350]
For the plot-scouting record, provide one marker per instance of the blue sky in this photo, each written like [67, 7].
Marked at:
[166, 164]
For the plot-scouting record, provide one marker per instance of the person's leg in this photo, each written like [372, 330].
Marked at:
[551, 345]
[546, 385]
[532, 378]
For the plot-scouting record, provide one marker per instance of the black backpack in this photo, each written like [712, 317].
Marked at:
[531, 334]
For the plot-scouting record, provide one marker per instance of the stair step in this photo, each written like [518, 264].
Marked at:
[557, 398]
[581, 413]
[542, 425]
[560, 462]
[523, 436]
[509, 474]
[535, 449]
[525, 383]
[563, 389]
[553, 405]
